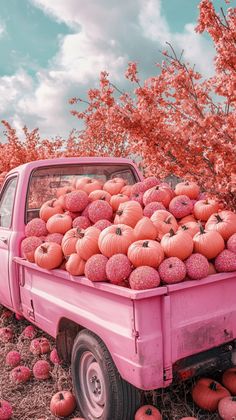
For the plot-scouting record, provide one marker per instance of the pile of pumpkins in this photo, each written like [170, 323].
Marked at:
[138, 236]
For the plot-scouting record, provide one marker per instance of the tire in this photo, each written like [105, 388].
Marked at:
[100, 392]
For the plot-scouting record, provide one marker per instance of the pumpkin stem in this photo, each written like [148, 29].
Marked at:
[213, 386]
[233, 399]
[168, 220]
[118, 231]
[61, 396]
[157, 187]
[171, 232]
[119, 212]
[148, 411]
[145, 244]
[218, 218]
[202, 230]
[184, 227]
[79, 233]
[44, 249]
[51, 204]
[102, 198]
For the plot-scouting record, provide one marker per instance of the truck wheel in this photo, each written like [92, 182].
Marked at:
[100, 392]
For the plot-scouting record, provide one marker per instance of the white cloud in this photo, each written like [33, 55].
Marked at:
[2, 29]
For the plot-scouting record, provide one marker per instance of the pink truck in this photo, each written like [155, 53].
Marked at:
[120, 342]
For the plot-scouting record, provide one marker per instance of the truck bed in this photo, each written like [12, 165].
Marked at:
[147, 331]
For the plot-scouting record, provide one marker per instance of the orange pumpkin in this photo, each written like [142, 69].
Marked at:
[191, 189]
[115, 239]
[229, 380]
[75, 265]
[212, 269]
[186, 219]
[203, 209]
[164, 221]
[49, 255]
[145, 229]
[223, 222]
[207, 394]
[100, 195]
[50, 208]
[88, 184]
[59, 223]
[128, 213]
[126, 190]
[159, 194]
[117, 199]
[179, 244]
[69, 241]
[114, 186]
[208, 243]
[87, 243]
[191, 228]
[146, 253]
[148, 412]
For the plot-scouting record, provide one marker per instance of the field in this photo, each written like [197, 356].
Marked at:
[31, 401]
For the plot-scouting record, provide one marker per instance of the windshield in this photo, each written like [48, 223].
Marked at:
[46, 181]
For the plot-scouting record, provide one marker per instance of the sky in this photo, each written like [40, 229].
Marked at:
[52, 50]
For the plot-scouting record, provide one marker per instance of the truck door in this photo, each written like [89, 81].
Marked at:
[7, 198]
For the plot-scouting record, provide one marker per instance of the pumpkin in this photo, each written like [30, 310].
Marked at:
[172, 270]
[117, 199]
[229, 380]
[13, 359]
[59, 223]
[5, 410]
[225, 261]
[62, 404]
[181, 206]
[54, 237]
[128, 213]
[69, 241]
[115, 239]
[6, 334]
[179, 244]
[208, 243]
[20, 374]
[197, 266]
[50, 208]
[126, 190]
[87, 244]
[164, 221]
[102, 224]
[114, 186]
[36, 227]
[29, 332]
[191, 189]
[227, 408]
[150, 208]
[100, 195]
[28, 247]
[231, 243]
[76, 201]
[75, 265]
[118, 268]
[223, 222]
[191, 228]
[144, 278]
[148, 253]
[150, 182]
[54, 358]
[137, 188]
[95, 268]
[100, 210]
[145, 229]
[88, 184]
[148, 412]
[63, 191]
[137, 197]
[81, 222]
[157, 194]
[186, 219]
[41, 370]
[212, 269]
[207, 393]
[48, 255]
[39, 346]
[203, 209]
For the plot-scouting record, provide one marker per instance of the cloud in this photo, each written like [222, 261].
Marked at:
[105, 36]
[2, 29]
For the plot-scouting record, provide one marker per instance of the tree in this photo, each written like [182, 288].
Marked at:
[176, 121]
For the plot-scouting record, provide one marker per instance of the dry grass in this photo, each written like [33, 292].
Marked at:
[31, 401]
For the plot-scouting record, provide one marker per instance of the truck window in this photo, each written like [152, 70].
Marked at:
[46, 181]
[7, 203]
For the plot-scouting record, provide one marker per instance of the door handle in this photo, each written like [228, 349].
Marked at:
[4, 240]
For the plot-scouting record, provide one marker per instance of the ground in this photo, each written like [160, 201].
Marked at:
[31, 401]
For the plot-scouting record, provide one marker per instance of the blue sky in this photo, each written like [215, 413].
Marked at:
[52, 50]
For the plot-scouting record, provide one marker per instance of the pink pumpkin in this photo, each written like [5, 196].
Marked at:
[59, 223]
[172, 270]
[99, 195]
[54, 237]
[227, 408]
[150, 182]
[13, 359]
[75, 265]
[150, 208]
[225, 261]
[29, 332]
[6, 334]
[20, 374]
[181, 206]
[231, 243]
[159, 194]
[39, 346]
[81, 222]
[102, 224]
[144, 278]
[137, 197]
[5, 410]
[197, 266]
[95, 268]
[99, 210]
[145, 229]
[118, 268]
[28, 247]
[36, 227]
[41, 370]
[137, 188]
[54, 357]
[76, 201]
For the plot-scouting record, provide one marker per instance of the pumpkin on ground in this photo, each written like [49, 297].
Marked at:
[118, 268]
[229, 380]
[20, 374]
[148, 252]
[54, 357]
[207, 393]
[172, 270]
[227, 408]
[5, 410]
[39, 346]
[6, 334]
[48, 255]
[148, 412]
[29, 332]
[62, 404]
[208, 243]
[13, 359]
[115, 239]
[144, 278]
[41, 370]
[179, 244]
